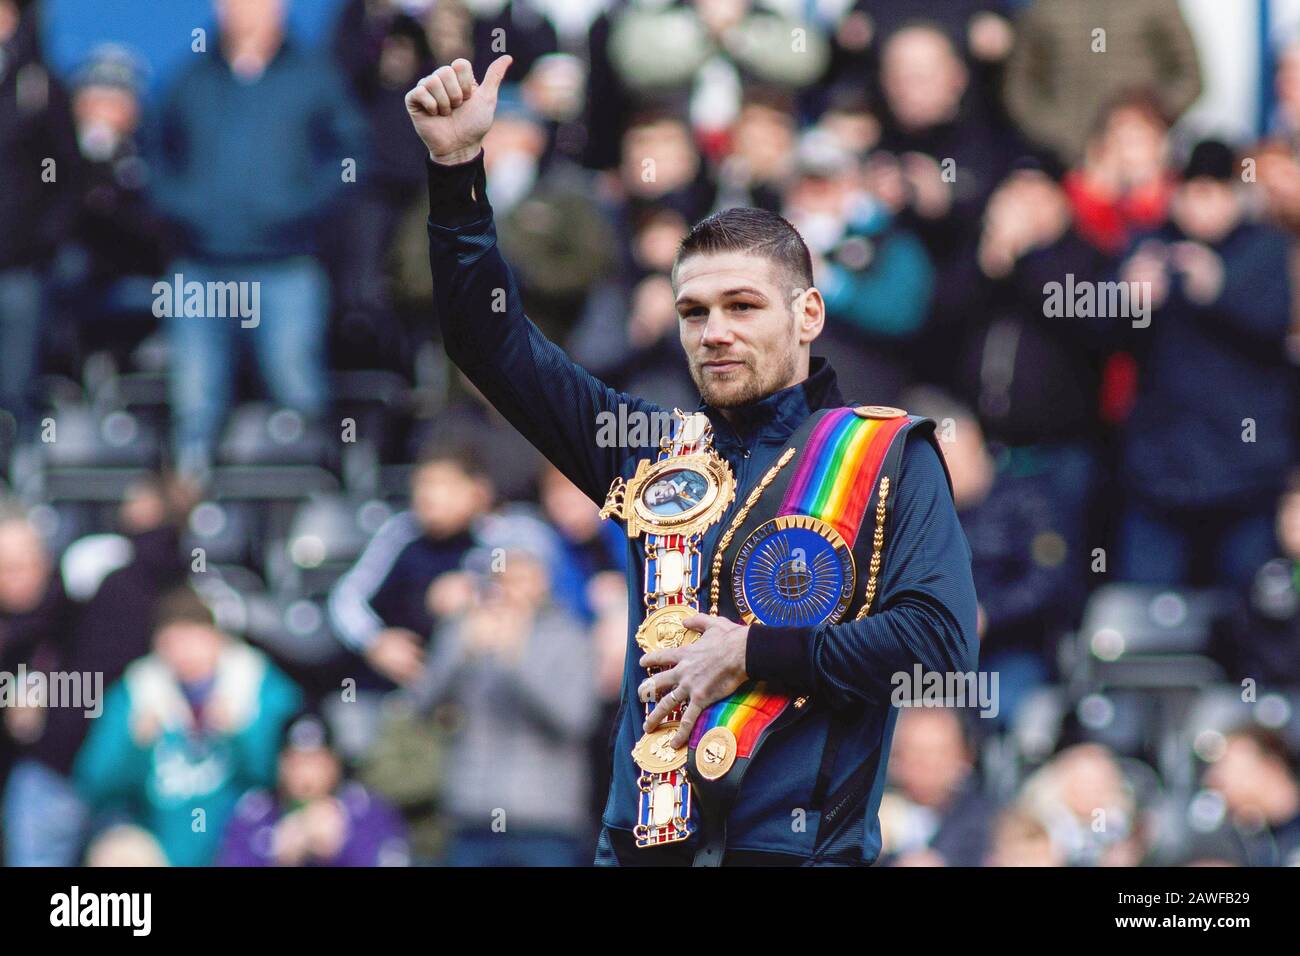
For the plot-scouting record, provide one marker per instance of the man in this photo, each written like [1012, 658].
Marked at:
[194, 724]
[385, 608]
[1204, 455]
[38, 205]
[1262, 796]
[813, 696]
[253, 149]
[316, 816]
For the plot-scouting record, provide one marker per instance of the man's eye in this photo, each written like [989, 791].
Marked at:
[742, 306]
[694, 313]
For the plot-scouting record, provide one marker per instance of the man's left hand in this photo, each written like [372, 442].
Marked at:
[698, 674]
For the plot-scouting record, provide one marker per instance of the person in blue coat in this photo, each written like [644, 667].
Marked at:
[1206, 451]
[748, 315]
[187, 729]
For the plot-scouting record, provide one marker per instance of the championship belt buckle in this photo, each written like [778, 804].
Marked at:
[682, 495]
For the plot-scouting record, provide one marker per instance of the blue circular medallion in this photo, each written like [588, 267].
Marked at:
[793, 571]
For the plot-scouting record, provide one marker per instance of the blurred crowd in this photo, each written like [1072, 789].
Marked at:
[344, 616]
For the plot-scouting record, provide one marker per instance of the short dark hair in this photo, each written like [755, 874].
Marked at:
[755, 231]
[182, 606]
[1270, 743]
[461, 454]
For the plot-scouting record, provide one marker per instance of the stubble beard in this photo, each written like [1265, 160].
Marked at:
[744, 387]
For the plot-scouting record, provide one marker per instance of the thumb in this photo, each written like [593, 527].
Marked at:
[496, 73]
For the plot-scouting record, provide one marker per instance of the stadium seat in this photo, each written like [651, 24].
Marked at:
[327, 534]
[261, 434]
[1140, 636]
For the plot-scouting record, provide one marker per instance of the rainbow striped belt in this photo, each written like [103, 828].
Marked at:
[833, 484]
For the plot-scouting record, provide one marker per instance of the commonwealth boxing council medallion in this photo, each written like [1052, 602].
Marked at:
[793, 571]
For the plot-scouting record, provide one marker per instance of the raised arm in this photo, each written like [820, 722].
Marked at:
[555, 403]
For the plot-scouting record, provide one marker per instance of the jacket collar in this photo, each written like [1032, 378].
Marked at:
[775, 417]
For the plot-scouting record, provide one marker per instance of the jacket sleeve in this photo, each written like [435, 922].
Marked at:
[892, 296]
[110, 765]
[926, 613]
[256, 747]
[555, 403]
[354, 618]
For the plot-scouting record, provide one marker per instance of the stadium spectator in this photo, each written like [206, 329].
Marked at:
[1033, 372]
[315, 817]
[1071, 58]
[1123, 185]
[385, 52]
[704, 52]
[590, 549]
[38, 204]
[519, 671]
[100, 637]
[628, 333]
[1020, 839]
[936, 813]
[1206, 451]
[118, 235]
[875, 276]
[1269, 647]
[387, 606]
[937, 162]
[1018, 554]
[253, 149]
[41, 812]
[546, 215]
[1087, 806]
[757, 168]
[1261, 794]
[185, 732]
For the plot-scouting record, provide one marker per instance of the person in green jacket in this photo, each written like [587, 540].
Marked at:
[186, 731]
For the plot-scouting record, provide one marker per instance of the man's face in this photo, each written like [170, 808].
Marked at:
[309, 773]
[929, 759]
[1239, 776]
[244, 19]
[658, 158]
[445, 498]
[1137, 144]
[1206, 209]
[24, 567]
[922, 78]
[744, 327]
[190, 650]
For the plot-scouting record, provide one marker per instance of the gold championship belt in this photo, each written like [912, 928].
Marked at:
[672, 502]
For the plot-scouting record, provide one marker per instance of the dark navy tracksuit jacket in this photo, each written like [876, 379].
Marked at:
[926, 606]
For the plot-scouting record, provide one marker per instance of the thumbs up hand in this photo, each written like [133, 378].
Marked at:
[452, 112]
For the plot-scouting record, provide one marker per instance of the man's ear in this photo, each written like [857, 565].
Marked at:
[810, 311]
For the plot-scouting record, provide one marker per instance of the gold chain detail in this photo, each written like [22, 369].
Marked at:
[877, 545]
[715, 572]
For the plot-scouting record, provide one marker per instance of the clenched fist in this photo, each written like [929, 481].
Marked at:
[452, 112]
